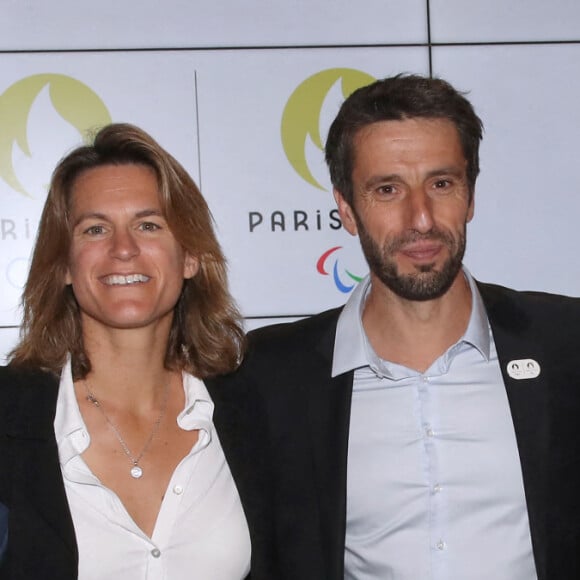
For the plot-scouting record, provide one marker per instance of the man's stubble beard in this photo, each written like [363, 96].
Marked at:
[426, 283]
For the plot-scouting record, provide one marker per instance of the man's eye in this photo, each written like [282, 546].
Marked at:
[386, 189]
[442, 183]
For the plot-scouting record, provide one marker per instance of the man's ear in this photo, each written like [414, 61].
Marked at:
[190, 266]
[346, 213]
[471, 208]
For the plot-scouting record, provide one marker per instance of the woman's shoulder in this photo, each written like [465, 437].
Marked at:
[15, 378]
[27, 399]
[23, 370]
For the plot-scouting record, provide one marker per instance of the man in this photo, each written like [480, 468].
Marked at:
[427, 430]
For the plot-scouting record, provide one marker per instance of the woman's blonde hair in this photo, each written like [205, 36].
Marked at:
[206, 337]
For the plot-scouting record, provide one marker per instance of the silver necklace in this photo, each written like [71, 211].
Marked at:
[136, 470]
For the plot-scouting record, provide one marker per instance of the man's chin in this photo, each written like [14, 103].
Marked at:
[426, 284]
[426, 268]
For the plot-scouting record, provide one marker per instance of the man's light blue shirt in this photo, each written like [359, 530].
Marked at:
[434, 484]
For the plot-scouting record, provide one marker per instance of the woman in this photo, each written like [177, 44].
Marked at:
[108, 450]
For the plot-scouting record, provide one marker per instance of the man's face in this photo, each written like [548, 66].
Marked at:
[410, 205]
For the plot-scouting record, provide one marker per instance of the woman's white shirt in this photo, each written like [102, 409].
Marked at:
[201, 531]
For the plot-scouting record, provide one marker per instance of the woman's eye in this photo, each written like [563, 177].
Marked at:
[149, 226]
[95, 230]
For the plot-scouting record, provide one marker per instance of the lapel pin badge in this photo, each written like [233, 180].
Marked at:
[525, 368]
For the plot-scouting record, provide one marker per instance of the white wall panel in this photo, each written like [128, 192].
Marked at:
[525, 230]
[42, 25]
[8, 339]
[504, 21]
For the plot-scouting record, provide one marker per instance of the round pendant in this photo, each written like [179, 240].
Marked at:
[136, 472]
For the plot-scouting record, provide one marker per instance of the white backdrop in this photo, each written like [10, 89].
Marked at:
[243, 93]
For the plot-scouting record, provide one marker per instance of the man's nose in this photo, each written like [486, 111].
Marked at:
[420, 210]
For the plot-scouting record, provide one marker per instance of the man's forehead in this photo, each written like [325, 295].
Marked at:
[426, 125]
[410, 139]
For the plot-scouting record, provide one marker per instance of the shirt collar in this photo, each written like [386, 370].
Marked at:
[478, 330]
[352, 350]
[198, 410]
[70, 430]
[349, 344]
[72, 435]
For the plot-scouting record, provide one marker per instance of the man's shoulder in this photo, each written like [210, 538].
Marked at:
[288, 346]
[301, 333]
[525, 306]
[494, 293]
[279, 354]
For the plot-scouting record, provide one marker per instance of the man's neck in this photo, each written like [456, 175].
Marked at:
[416, 333]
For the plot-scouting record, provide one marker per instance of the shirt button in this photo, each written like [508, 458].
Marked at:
[156, 552]
[429, 432]
[177, 489]
[441, 545]
[437, 488]
[425, 379]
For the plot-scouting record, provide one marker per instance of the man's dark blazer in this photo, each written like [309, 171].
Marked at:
[283, 422]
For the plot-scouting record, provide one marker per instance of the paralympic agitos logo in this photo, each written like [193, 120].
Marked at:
[338, 275]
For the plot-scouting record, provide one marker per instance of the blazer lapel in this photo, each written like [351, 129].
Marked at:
[329, 402]
[529, 404]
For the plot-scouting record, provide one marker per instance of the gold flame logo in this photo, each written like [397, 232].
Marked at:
[301, 116]
[74, 101]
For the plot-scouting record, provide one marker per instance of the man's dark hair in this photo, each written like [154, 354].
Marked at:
[395, 99]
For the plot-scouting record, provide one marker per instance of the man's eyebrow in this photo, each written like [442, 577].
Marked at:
[454, 171]
[376, 179]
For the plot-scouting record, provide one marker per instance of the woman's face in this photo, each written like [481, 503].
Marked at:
[125, 266]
